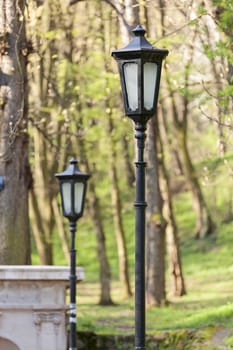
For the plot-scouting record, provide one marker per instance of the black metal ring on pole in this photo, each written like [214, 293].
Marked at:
[140, 222]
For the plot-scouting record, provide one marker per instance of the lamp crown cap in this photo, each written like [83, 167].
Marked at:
[139, 30]
[72, 171]
[73, 161]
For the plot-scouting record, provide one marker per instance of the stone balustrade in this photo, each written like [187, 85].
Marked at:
[33, 307]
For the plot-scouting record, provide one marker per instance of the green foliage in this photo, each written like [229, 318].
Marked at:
[225, 22]
[225, 16]
[202, 10]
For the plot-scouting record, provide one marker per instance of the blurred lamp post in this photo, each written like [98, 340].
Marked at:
[73, 184]
[1, 183]
[140, 67]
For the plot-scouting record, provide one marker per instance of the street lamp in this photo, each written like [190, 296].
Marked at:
[73, 184]
[140, 67]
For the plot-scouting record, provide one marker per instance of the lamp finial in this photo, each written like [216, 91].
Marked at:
[139, 30]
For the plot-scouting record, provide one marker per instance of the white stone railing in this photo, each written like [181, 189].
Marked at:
[33, 307]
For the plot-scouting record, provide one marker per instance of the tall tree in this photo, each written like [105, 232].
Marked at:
[172, 239]
[14, 166]
[115, 192]
[45, 148]
[84, 121]
[165, 205]
[180, 109]
[117, 215]
[155, 289]
[104, 267]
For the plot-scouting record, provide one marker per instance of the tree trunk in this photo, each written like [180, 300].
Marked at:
[95, 210]
[38, 230]
[173, 251]
[156, 225]
[129, 10]
[173, 248]
[204, 224]
[14, 166]
[43, 220]
[130, 176]
[43, 106]
[119, 230]
[61, 231]
[176, 163]
[115, 193]
[105, 274]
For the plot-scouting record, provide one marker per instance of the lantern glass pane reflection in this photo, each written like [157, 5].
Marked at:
[131, 83]
[150, 76]
[78, 196]
[66, 195]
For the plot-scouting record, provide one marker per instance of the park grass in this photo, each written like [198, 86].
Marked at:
[207, 264]
[208, 271]
[199, 308]
[209, 301]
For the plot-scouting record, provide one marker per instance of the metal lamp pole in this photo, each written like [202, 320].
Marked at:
[73, 184]
[140, 221]
[140, 65]
[72, 316]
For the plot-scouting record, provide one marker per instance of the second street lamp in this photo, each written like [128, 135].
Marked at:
[73, 184]
[140, 67]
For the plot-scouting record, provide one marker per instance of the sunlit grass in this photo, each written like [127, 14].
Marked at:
[209, 302]
[208, 270]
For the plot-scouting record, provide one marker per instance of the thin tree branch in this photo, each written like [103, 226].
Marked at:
[186, 24]
[114, 6]
[215, 120]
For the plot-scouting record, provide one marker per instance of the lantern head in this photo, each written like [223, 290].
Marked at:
[140, 67]
[73, 184]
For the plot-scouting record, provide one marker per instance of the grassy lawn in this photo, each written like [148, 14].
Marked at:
[208, 270]
[209, 301]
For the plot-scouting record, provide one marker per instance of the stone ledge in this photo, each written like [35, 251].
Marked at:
[35, 273]
[17, 307]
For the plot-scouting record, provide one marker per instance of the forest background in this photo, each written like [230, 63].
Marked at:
[60, 96]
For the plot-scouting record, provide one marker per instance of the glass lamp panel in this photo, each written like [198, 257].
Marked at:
[78, 196]
[131, 83]
[150, 76]
[66, 197]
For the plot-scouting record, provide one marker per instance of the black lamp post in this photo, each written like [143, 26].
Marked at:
[73, 184]
[1, 183]
[140, 67]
